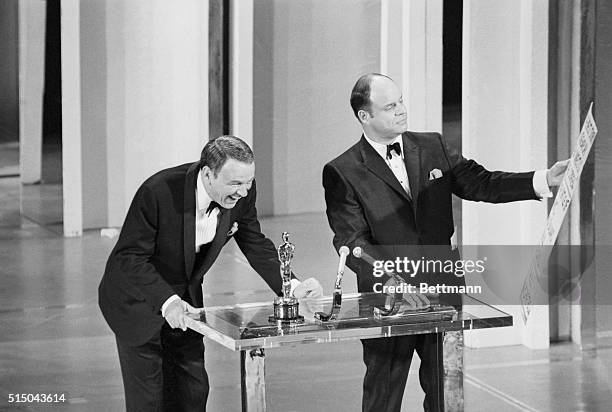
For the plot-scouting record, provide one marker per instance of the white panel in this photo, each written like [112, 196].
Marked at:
[157, 92]
[411, 54]
[533, 135]
[71, 119]
[242, 70]
[574, 210]
[391, 39]
[31, 81]
[305, 65]
[115, 103]
[414, 63]
[505, 128]
[433, 59]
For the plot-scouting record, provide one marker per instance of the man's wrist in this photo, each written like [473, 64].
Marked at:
[540, 184]
[167, 303]
[294, 284]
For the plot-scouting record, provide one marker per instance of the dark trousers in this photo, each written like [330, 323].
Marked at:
[387, 363]
[165, 374]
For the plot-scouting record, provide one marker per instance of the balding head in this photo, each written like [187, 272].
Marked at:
[379, 106]
[360, 95]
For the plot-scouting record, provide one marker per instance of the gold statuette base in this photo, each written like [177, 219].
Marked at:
[286, 310]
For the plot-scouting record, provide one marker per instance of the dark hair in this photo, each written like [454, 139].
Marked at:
[360, 95]
[217, 151]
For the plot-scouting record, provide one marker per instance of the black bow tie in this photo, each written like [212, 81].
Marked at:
[212, 207]
[394, 147]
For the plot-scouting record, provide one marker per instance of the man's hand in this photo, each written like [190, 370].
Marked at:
[416, 300]
[177, 311]
[554, 175]
[310, 288]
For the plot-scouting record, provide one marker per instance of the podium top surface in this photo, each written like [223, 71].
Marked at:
[246, 326]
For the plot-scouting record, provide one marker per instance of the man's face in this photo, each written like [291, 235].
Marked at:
[232, 183]
[387, 117]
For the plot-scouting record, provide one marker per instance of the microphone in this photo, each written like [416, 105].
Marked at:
[344, 252]
[337, 297]
[360, 254]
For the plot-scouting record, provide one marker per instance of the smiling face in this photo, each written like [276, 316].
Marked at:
[387, 115]
[232, 183]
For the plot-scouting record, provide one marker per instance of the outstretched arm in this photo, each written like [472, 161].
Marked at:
[262, 255]
[471, 181]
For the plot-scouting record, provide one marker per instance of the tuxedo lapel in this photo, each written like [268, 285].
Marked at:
[189, 206]
[412, 161]
[377, 165]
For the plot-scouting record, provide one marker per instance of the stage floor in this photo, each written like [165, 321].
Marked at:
[54, 339]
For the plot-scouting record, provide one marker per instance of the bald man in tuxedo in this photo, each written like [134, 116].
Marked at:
[390, 193]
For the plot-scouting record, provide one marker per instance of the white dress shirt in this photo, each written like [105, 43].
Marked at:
[206, 223]
[396, 163]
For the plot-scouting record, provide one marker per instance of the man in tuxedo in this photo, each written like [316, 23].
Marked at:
[390, 193]
[178, 222]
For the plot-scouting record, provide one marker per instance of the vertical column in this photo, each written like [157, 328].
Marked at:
[152, 85]
[165, 85]
[587, 274]
[241, 83]
[31, 81]
[574, 117]
[452, 349]
[9, 78]
[533, 124]
[602, 193]
[411, 54]
[252, 380]
[71, 118]
[115, 103]
[156, 94]
[564, 77]
[304, 68]
[504, 127]
[391, 20]
[95, 109]
[218, 33]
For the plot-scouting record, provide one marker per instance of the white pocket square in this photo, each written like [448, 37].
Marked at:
[233, 230]
[435, 174]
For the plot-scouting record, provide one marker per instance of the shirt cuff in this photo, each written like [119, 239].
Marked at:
[540, 185]
[294, 284]
[167, 303]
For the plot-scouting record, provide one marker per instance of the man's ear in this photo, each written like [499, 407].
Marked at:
[207, 172]
[363, 116]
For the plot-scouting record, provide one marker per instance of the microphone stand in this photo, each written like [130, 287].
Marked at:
[393, 301]
[337, 296]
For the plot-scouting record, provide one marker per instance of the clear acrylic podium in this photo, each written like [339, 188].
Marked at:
[246, 328]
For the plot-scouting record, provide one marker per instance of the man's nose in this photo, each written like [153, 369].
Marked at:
[400, 109]
[242, 190]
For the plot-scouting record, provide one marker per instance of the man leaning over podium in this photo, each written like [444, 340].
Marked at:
[178, 222]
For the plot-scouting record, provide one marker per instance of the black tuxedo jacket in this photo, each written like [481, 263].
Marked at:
[154, 257]
[367, 206]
